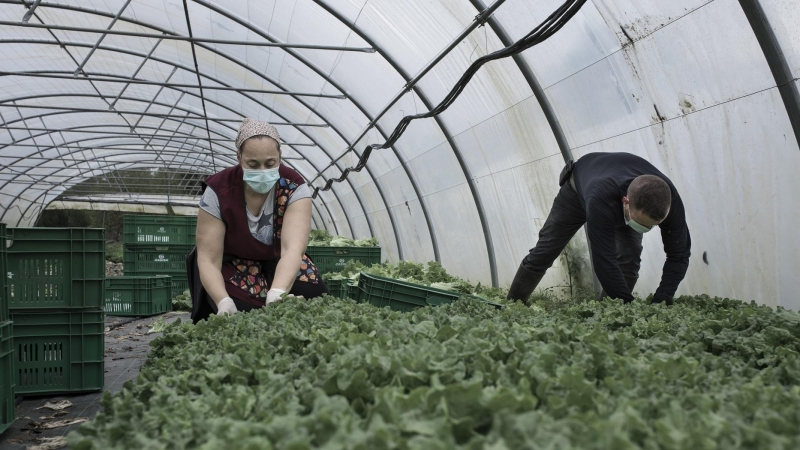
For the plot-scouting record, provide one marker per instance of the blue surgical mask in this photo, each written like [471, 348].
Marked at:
[637, 227]
[261, 180]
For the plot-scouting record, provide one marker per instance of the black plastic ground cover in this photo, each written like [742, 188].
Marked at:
[126, 348]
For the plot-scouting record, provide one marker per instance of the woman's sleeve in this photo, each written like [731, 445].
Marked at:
[209, 203]
[302, 191]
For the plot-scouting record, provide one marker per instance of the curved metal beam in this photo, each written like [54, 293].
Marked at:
[223, 124]
[448, 136]
[40, 151]
[79, 129]
[243, 65]
[200, 139]
[113, 164]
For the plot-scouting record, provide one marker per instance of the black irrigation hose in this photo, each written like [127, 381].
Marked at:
[542, 32]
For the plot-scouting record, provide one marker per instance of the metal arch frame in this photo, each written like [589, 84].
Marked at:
[103, 168]
[40, 151]
[258, 102]
[113, 134]
[57, 75]
[178, 37]
[302, 102]
[448, 136]
[116, 137]
[198, 138]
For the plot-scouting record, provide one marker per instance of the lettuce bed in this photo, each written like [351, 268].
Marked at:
[329, 373]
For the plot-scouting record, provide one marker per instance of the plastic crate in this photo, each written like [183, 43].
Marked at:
[401, 295]
[333, 259]
[59, 351]
[179, 284]
[350, 291]
[155, 259]
[150, 229]
[4, 290]
[138, 296]
[338, 288]
[6, 376]
[55, 268]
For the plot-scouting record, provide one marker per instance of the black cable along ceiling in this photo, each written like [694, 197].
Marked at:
[542, 32]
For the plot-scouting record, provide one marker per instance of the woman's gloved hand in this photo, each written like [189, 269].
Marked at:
[226, 306]
[274, 295]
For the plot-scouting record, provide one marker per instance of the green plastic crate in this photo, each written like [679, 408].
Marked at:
[138, 296]
[55, 268]
[6, 376]
[151, 259]
[333, 259]
[4, 291]
[401, 295]
[58, 351]
[179, 284]
[350, 291]
[151, 229]
[338, 288]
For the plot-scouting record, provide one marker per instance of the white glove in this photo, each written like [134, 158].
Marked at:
[274, 295]
[226, 306]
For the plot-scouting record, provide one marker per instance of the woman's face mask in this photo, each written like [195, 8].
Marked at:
[261, 180]
[260, 160]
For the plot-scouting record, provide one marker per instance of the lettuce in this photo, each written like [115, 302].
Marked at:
[328, 373]
[321, 238]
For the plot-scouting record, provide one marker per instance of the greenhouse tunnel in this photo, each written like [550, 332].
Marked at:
[707, 91]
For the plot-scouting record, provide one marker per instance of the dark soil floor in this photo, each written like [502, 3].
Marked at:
[126, 347]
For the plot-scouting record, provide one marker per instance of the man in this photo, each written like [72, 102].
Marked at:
[619, 197]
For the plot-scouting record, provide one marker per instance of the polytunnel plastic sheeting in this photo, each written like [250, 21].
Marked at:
[685, 84]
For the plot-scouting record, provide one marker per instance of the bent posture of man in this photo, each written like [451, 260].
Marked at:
[619, 197]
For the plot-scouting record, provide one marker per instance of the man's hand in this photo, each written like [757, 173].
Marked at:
[226, 306]
[660, 298]
[274, 295]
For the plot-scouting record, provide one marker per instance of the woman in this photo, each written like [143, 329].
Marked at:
[252, 231]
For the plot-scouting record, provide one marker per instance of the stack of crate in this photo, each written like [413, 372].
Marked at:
[55, 282]
[158, 245]
[6, 347]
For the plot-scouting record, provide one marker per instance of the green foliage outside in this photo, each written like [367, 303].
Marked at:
[327, 373]
[60, 218]
[114, 252]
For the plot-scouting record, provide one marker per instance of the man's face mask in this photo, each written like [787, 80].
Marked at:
[261, 180]
[637, 227]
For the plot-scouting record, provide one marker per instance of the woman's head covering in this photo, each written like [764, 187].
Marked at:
[251, 127]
